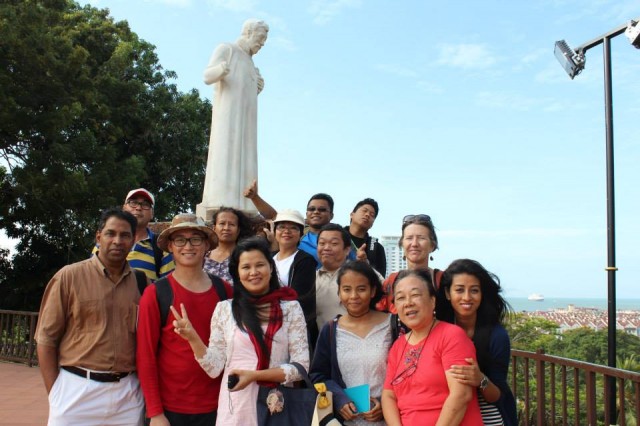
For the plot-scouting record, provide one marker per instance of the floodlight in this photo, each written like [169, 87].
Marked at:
[633, 33]
[572, 62]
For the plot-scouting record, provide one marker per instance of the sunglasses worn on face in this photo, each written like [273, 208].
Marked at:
[416, 218]
[318, 209]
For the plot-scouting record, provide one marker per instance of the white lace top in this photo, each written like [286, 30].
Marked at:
[290, 345]
[364, 361]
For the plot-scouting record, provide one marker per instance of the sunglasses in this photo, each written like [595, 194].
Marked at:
[405, 374]
[319, 209]
[416, 218]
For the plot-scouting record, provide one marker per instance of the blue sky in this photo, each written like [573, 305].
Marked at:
[456, 109]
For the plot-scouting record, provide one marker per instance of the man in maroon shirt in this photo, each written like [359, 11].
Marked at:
[177, 391]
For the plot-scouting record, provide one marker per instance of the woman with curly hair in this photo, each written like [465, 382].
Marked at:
[230, 226]
[469, 296]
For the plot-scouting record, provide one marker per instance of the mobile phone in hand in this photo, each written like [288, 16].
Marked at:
[232, 380]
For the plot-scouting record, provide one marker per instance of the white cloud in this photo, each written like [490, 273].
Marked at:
[283, 43]
[325, 10]
[505, 100]
[178, 3]
[466, 56]
[235, 5]
[397, 70]
[523, 232]
[535, 55]
[428, 87]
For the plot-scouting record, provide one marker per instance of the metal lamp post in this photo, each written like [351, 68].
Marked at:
[573, 61]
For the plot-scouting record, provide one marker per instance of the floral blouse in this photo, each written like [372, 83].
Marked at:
[220, 269]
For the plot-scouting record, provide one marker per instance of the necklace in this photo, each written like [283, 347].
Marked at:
[433, 323]
[359, 316]
[411, 358]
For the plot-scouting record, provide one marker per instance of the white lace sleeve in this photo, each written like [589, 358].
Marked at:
[215, 358]
[298, 345]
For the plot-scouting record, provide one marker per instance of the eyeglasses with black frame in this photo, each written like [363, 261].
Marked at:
[410, 218]
[144, 205]
[195, 241]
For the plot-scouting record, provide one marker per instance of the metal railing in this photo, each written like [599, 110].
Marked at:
[17, 332]
[551, 390]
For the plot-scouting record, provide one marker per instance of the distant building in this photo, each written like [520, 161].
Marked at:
[395, 258]
[596, 319]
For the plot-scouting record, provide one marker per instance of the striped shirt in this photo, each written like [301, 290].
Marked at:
[141, 258]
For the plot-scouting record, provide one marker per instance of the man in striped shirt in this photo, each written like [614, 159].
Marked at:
[145, 255]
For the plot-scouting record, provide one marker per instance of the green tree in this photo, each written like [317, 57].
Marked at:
[531, 333]
[87, 114]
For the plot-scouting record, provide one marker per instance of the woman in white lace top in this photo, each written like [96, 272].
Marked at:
[352, 349]
[254, 336]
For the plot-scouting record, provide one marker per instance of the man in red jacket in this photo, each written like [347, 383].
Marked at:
[177, 391]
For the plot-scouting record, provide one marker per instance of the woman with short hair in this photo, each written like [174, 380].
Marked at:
[419, 388]
[418, 241]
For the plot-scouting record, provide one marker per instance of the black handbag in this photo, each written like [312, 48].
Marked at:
[285, 406]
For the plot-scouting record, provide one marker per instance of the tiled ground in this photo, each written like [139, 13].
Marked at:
[23, 400]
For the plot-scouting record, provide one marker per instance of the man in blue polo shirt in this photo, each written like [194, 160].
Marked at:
[319, 213]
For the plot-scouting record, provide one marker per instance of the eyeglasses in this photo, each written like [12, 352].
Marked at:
[290, 228]
[405, 374]
[319, 209]
[416, 218]
[144, 205]
[182, 241]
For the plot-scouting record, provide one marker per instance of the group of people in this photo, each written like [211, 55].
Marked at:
[215, 313]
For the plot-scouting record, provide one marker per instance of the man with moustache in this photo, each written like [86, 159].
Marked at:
[86, 333]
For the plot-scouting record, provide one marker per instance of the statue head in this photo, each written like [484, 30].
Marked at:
[254, 34]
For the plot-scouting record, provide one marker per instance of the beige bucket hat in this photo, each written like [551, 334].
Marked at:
[186, 221]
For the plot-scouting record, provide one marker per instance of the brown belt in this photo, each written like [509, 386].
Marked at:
[98, 377]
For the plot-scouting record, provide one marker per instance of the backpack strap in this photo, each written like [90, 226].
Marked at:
[141, 279]
[219, 286]
[164, 296]
[437, 276]
[158, 254]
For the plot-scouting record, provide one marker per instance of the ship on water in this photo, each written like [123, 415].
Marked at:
[536, 297]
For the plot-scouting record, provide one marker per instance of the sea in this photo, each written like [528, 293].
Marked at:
[520, 304]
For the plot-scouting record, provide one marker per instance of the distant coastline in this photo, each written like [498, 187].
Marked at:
[520, 304]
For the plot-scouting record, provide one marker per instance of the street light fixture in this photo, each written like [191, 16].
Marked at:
[633, 33]
[573, 62]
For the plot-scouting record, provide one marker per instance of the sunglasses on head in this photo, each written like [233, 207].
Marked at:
[416, 218]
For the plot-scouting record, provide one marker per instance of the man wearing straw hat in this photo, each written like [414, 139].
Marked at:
[176, 390]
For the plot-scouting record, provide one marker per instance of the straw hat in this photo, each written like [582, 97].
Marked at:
[186, 221]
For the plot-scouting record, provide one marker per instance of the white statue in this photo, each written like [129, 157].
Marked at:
[232, 164]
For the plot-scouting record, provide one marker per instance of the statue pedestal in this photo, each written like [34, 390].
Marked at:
[207, 213]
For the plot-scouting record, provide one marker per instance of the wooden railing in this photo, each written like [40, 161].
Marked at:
[550, 390]
[17, 331]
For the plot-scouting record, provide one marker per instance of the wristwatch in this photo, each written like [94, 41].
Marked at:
[484, 383]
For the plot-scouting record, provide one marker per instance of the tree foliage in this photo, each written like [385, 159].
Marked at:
[87, 114]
